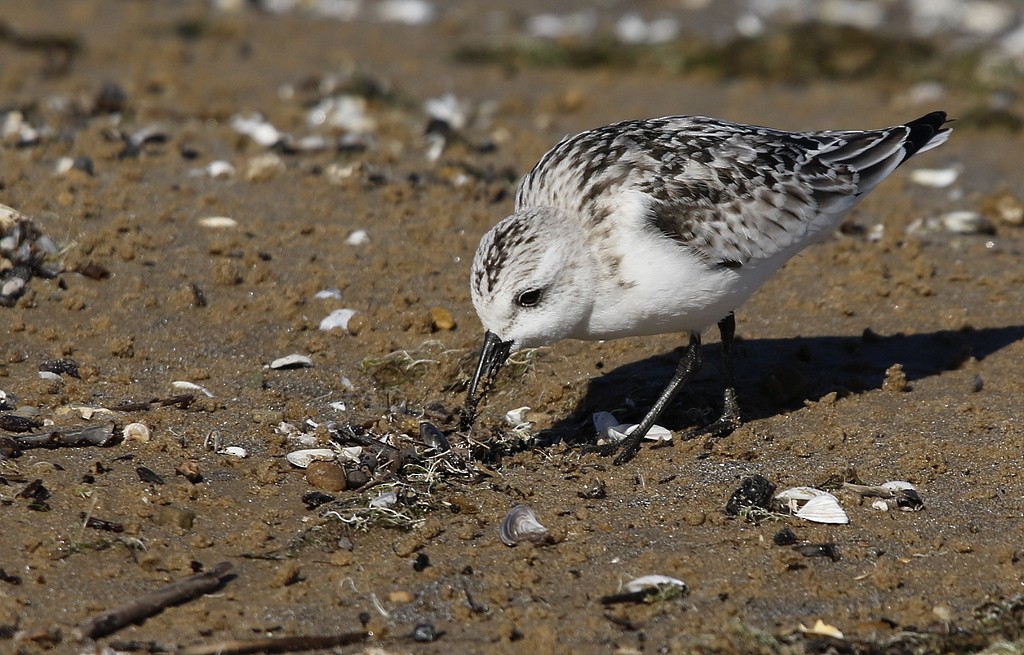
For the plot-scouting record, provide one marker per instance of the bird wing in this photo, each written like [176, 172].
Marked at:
[731, 192]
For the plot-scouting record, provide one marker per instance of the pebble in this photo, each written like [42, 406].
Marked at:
[220, 169]
[263, 167]
[358, 238]
[179, 516]
[441, 319]
[1004, 207]
[327, 476]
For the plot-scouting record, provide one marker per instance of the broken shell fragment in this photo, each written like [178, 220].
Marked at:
[609, 429]
[822, 629]
[893, 494]
[937, 178]
[191, 386]
[433, 437]
[517, 417]
[653, 582]
[303, 458]
[291, 361]
[646, 588]
[136, 432]
[385, 500]
[521, 524]
[234, 451]
[823, 509]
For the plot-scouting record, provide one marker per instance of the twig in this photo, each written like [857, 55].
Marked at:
[90, 435]
[153, 602]
[274, 645]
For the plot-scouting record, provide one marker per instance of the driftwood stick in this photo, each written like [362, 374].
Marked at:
[273, 645]
[90, 435]
[154, 601]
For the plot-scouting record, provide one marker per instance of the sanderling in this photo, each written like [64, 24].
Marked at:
[667, 225]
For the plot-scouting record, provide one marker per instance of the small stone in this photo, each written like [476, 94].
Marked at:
[181, 517]
[895, 379]
[401, 597]
[441, 319]
[327, 476]
[287, 574]
[190, 471]
[263, 167]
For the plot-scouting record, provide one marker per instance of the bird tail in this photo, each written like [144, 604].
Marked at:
[926, 133]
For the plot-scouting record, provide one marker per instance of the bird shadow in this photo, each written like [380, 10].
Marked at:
[774, 376]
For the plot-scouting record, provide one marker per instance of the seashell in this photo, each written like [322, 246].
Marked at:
[966, 222]
[653, 583]
[218, 221]
[191, 386]
[800, 494]
[517, 417]
[823, 509]
[291, 361]
[219, 169]
[385, 500]
[521, 524]
[256, 128]
[136, 432]
[609, 429]
[303, 458]
[234, 451]
[937, 178]
[822, 629]
[434, 437]
[339, 318]
[358, 238]
[7, 400]
[328, 294]
[337, 406]
[50, 375]
[898, 485]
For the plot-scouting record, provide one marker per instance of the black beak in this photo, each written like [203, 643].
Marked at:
[492, 357]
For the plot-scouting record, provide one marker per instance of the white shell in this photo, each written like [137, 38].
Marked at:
[898, 485]
[339, 318]
[49, 375]
[823, 509]
[386, 499]
[936, 178]
[516, 417]
[965, 222]
[521, 524]
[191, 386]
[820, 628]
[882, 504]
[358, 238]
[220, 168]
[303, 458]
[136, 432]
[609, 429]
[218, 221]
[291, 361]
[646, 582]
[328, 294]
[800, 494]
[234, 451]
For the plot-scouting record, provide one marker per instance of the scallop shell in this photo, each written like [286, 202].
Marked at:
[800, 494]
[653, 582]
[521, 524]
[823, 509]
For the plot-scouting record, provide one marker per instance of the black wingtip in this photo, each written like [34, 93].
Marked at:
[923, 130]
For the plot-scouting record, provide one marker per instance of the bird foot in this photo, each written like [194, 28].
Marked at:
[722, 427]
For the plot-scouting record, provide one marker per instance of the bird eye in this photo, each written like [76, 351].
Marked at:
[530, 298]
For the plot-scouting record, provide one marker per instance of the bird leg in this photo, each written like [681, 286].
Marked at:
[687, 368]
[730, 418]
